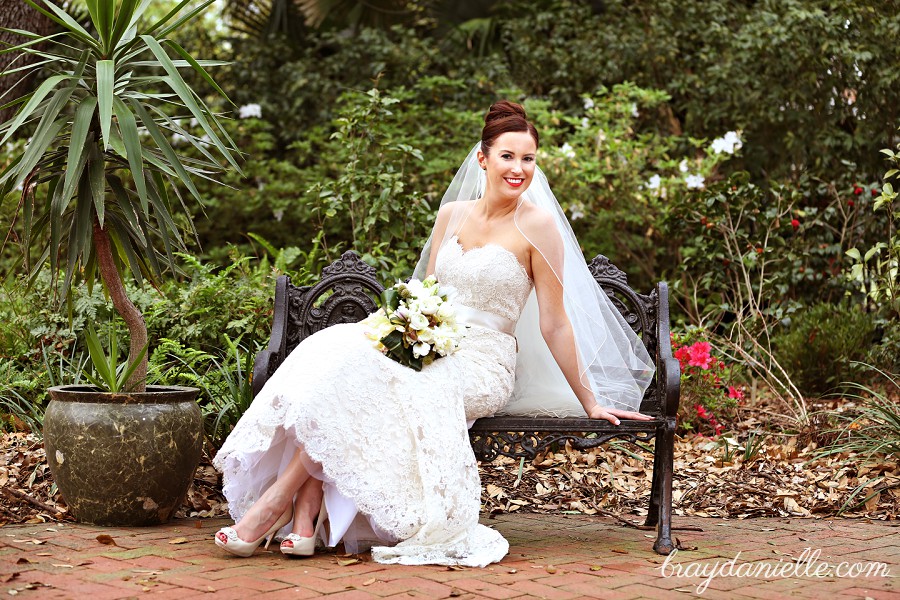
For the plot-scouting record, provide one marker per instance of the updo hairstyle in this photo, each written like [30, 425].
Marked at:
[503, 117]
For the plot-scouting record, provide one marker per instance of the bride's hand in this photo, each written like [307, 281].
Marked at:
[613, 414]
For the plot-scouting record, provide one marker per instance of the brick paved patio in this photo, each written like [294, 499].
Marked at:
[551, 556]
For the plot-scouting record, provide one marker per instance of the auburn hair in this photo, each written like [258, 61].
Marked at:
[504, 117]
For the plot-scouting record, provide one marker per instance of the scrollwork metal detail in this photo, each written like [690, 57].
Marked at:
[602, 268]
[344, 294]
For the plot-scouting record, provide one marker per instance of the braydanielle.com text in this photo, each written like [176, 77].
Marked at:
[805, 565]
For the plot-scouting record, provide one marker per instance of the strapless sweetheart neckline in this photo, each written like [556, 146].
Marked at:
[506, 250]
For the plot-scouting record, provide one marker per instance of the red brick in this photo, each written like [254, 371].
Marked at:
[544, 591]
[482, 588]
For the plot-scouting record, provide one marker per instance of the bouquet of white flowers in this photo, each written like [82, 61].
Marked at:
[416, 323]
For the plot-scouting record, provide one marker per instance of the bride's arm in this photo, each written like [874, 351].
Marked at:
[437, 235]
[556, 328]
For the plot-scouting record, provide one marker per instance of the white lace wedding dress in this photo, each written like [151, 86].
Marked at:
[390, 443]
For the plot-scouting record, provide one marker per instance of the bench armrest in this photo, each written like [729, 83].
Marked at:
[668, 369]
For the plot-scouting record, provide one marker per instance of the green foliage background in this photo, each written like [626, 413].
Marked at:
[360, 128]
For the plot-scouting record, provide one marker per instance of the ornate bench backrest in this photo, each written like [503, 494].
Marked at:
[346, 290]
[344, 293]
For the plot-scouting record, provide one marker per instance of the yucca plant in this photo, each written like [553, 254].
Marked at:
[101, 185]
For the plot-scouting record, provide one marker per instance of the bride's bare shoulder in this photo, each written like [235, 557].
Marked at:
[536, 221]
[449, 208]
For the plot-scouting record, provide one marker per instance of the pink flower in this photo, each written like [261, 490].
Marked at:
[736, 393]
[701, 411]
[698, 355]
[795, 224]
[683, 355]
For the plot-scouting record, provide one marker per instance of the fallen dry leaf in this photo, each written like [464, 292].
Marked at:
[346, 562]
[106, 540]
[178, 540]
[369, 581]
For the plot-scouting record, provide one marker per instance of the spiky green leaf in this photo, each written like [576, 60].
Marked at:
[105, 81]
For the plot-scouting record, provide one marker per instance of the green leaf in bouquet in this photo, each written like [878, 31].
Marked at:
[393, 341]
[390, 300]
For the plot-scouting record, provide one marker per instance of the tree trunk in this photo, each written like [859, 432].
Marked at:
[16, 14]
[134, 320]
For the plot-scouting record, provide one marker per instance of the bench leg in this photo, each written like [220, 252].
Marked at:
[665, 453]
[653, 508]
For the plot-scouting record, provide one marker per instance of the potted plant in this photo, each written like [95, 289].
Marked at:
[101, 189]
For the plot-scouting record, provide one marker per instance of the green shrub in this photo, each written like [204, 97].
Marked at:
[821, 344]
[884, 354]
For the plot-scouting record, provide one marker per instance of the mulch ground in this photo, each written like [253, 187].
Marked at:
[713, 478]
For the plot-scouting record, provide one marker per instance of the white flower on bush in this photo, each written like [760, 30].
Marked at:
[683, 166]
[588, 103]
[694, 182]
[585, 122]
[567, 150]
[634, 111]
[727, 144]
[248, 111]
[654, 182]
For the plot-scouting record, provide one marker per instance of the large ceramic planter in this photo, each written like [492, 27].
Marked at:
[123, 459]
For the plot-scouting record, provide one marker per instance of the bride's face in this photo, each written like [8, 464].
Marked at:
[509, 164]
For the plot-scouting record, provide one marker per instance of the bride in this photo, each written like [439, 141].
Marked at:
[346, 444]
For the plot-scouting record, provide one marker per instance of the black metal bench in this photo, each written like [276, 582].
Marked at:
[345, 292]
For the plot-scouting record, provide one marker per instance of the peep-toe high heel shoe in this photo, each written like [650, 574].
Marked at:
[297, 545]
[239, 547]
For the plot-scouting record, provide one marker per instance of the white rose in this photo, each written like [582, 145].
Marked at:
[418, 321]
[429, 305]
[445, 313]
[416, 288]
[426, 335]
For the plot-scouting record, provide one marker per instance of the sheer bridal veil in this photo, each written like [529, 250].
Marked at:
[613, 362]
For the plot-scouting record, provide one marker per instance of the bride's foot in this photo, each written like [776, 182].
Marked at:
[229, 538]
[270, 513]
[297, 543]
